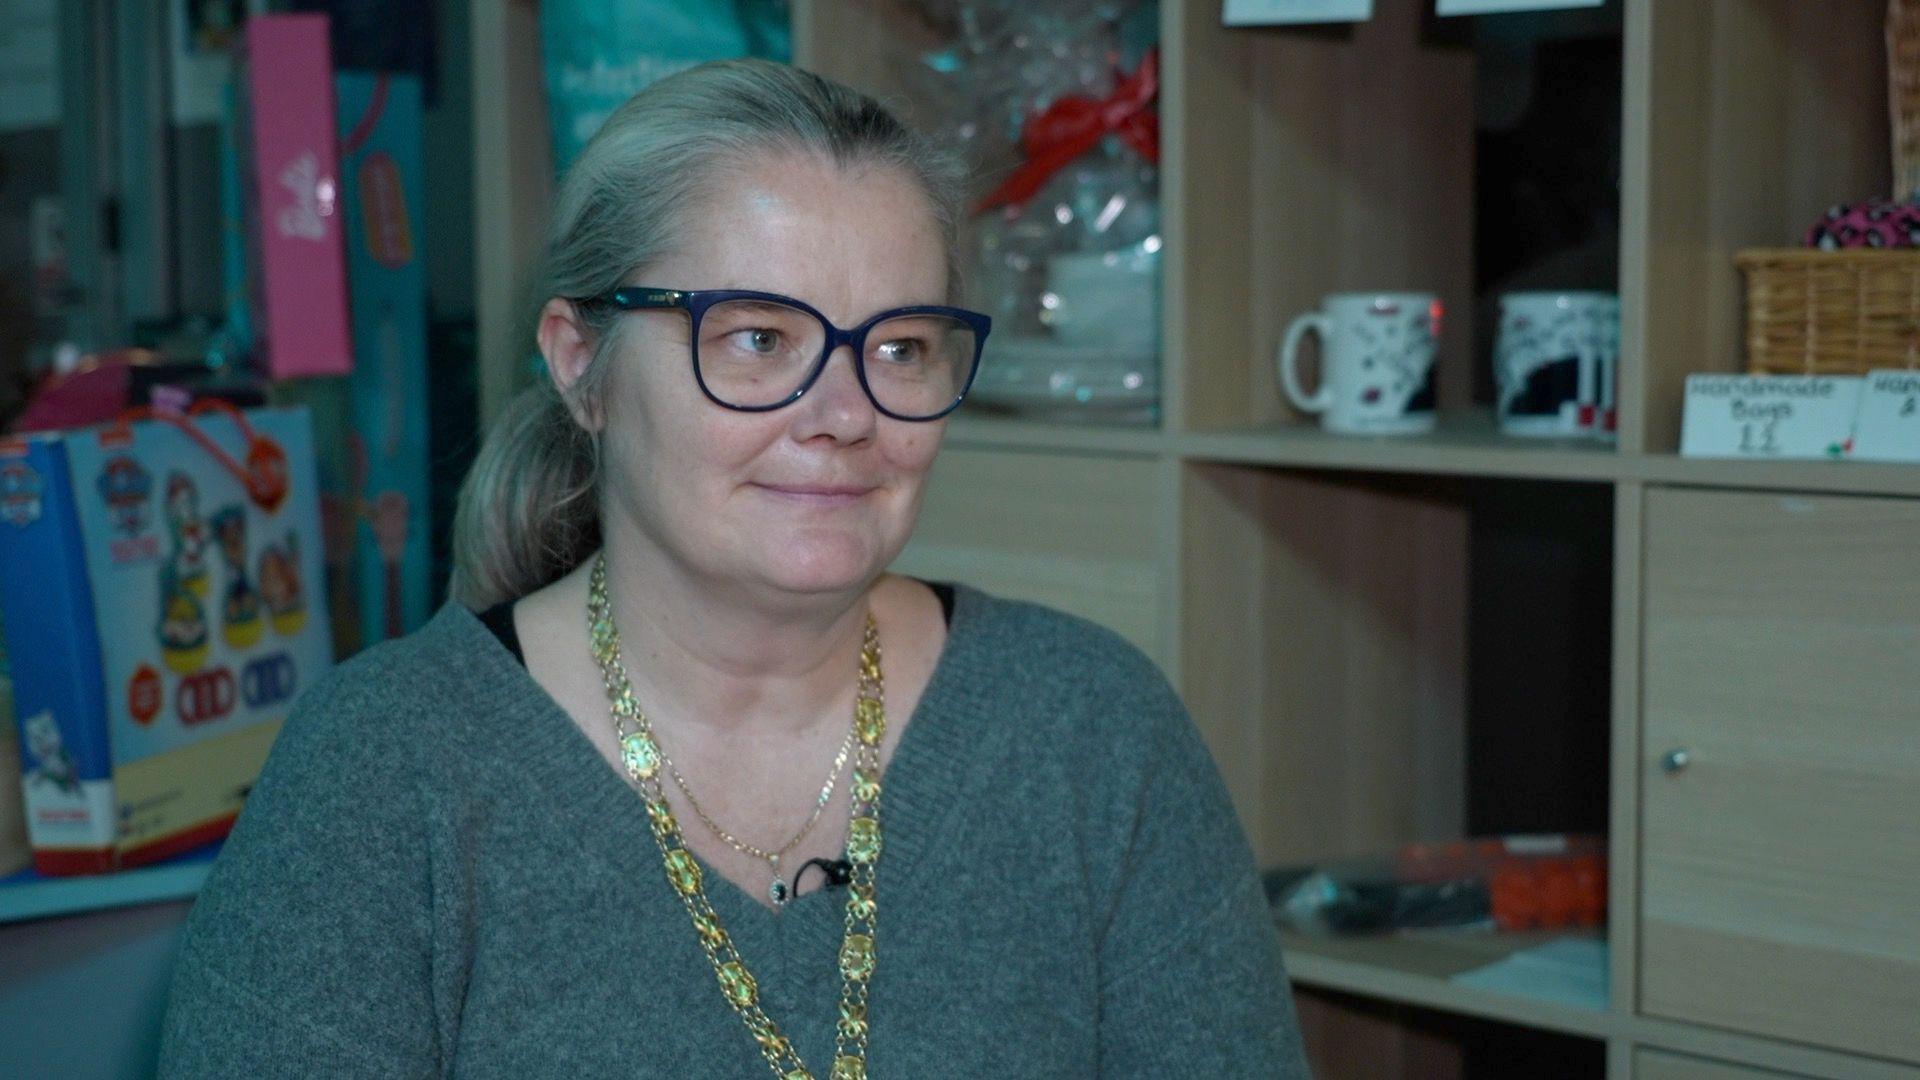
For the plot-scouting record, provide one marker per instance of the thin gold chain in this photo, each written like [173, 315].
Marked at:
[771, 858]
[641, 757]
[826, 796]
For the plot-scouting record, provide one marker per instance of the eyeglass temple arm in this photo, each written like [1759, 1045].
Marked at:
[634, 298]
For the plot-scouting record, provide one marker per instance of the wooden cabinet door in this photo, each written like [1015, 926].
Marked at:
[1780, 838]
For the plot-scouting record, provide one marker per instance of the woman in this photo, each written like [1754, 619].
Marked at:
[882, 826]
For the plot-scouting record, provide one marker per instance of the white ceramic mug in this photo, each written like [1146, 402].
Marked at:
[1555, 362]
[1376, 362]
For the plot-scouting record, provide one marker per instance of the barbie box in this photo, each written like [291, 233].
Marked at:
[156, 585]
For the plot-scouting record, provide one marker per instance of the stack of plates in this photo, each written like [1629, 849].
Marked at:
[1044, 378]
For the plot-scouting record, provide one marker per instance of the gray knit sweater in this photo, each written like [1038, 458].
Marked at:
[437, 875]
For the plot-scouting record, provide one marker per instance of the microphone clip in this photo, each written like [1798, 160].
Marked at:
[838, 871]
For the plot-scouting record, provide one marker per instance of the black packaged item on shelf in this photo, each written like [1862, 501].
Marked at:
[1315, 900]
[1506, 883]
[381, 35]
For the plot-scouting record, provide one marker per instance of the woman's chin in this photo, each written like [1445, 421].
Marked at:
[824, 567]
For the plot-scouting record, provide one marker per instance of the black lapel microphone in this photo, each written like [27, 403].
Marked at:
[838, 871]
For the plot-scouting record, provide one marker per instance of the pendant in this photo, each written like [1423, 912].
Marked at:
[780, 892]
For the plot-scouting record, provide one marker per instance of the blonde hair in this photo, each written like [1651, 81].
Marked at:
[529, 510]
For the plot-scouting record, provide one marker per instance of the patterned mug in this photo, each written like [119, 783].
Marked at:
[1555, 361]
[1376, 362]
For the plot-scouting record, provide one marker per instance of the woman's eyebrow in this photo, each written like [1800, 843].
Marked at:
[759, 305]
[912, 302]
[872, 310]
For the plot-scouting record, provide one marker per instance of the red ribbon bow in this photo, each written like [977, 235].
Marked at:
[1073, 125]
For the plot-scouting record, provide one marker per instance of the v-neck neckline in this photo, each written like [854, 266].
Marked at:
[917, 798]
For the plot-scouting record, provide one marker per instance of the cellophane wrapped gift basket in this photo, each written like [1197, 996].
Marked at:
[1055, 107]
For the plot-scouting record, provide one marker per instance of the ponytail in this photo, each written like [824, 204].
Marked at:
[527, 512]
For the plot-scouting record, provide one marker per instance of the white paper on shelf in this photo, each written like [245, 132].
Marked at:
[1569, 971]
[1769, 416]
[1500, 7]
[29, 65]
[1888, 428]
[199, 76]
[1285, 12]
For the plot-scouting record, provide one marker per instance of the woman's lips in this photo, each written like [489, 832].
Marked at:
[817, 494]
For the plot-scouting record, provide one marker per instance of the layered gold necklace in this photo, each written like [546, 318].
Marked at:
[778, 890]
[640, 755]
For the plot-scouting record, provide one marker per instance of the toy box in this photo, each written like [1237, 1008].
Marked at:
[14, 850]
[291, 188]
[166, 564]
[386, 496]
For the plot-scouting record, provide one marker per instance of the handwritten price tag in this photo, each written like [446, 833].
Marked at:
[1889, 424]
[1769, 416]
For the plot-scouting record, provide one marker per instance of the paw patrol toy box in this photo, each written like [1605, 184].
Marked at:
[158, 585]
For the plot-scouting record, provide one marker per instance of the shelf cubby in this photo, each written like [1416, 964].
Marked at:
[1363, 1034]
[1304, 162]
[1078, 530]
[1420, 968]
[28, 894]
[1380, 658]
[1744, 121]
[1464, 443]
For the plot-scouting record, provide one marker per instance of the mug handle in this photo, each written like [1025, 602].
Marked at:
[1322, 399]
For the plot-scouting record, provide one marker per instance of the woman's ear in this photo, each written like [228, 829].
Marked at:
[568, 349]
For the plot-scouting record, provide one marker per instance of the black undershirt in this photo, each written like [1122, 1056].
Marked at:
[499, 619]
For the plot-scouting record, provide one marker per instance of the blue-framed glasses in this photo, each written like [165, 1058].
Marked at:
[759, 351]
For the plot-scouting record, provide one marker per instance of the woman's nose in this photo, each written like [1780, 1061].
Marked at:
[836, 404]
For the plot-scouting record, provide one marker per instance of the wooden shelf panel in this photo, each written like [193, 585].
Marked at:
[990, 432]
[1466, 444]
[1470, 444]
[30, 895]
[1744, 121]
[1075, 530]
[1416, 968]
[1302, 162]
[1824, 477]
[1323, 621]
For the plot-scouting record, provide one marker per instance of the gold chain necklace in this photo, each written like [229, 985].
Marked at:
[640, 755]
[778, 891]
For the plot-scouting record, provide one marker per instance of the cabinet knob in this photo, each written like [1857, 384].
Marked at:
[1677, 760]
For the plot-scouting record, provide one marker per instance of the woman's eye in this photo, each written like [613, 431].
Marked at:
[758, 340]
[900, 351]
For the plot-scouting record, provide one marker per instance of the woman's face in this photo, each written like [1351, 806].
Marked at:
[818, 496]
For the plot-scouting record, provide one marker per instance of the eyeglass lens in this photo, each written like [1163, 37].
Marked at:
[756, 353]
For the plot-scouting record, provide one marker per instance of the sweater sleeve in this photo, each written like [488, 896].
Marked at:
[1192, 983]
[310, 945]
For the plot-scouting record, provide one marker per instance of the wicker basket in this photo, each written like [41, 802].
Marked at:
[1847, 312]
[1903, 94]
[1831, 312]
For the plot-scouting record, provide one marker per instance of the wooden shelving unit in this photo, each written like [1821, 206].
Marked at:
[1463, 444]
[1833, 477]
[30, 895]
[1419, 969]
[992, 432]
[1338, 612]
